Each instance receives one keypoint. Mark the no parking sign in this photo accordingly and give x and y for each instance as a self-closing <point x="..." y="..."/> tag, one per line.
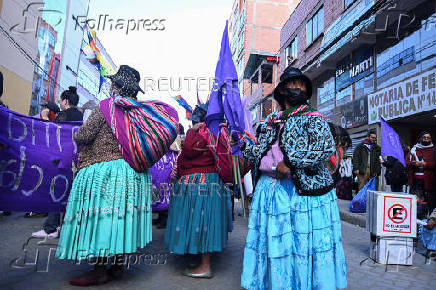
<point x="397" y="217"/>
<point x="391" y="214"/>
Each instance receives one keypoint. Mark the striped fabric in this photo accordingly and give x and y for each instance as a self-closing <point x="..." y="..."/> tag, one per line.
<point x="144" y="129"/>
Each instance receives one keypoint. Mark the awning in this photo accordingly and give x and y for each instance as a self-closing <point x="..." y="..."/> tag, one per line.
<point x="254" y="61"/>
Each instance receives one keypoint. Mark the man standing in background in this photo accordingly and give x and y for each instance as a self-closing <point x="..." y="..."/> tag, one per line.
<point x="366" y="159"/>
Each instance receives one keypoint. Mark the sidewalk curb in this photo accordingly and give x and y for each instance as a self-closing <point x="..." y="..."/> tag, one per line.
<point x="358" y="219"/>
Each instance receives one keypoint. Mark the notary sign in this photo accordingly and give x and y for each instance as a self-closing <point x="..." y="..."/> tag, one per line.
<point x="411" y="96"/>
<point x="37" y="159"/>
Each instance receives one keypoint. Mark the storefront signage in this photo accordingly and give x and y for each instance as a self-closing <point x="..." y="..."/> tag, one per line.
<point x="411" y="96"/>
<point x="354" y="68"/>
<point x="353" y="114"/>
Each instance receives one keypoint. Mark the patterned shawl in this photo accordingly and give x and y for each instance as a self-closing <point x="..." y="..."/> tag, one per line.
<point x="145" y="130"/>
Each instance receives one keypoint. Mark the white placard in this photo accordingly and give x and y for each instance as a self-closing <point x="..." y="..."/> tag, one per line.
<point x="397" y="216"/>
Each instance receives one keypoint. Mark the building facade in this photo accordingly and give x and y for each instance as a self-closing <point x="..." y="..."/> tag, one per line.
<point x="42" y="56"/>
<point x="254" y="29"/>
<point x="18" y="50"/>
<point x="367" y="58"/>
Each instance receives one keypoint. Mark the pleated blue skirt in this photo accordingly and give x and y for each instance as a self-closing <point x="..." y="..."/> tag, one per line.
<point x="293" y="242"/>
<point x="108" y="212"/>
<point x="199" y="216"/>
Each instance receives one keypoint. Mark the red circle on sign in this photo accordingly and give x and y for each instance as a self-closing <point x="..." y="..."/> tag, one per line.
<point x="396" y="214"/>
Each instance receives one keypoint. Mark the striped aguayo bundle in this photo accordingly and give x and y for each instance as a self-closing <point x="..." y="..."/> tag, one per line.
<point x="144" y="129"/>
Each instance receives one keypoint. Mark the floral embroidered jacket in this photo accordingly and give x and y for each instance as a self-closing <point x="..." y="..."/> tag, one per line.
<point x="306" y="143"/>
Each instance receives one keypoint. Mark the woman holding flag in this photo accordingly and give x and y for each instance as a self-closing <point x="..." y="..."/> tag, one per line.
<point x="294" y="232"/>
<point x="198" y="219"/>
<point x="109" y="207"/>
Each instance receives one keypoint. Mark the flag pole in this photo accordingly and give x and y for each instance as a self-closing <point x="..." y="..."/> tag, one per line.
<point x="238" y="181"/>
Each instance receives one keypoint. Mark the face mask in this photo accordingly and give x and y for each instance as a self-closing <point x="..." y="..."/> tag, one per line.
<point x="426" y="143"/>
<point x="294" y="96"/>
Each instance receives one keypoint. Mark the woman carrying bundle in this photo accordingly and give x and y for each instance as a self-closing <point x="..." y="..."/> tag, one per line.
<point x="109" y="208"/>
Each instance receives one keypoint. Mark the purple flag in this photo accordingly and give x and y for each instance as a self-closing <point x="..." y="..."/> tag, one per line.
<point x="390" y="142"/>
<point x="36" y="162"/>
<point x="224" y="98"/>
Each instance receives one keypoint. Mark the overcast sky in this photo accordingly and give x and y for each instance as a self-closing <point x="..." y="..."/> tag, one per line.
<point x="187" y="47"/>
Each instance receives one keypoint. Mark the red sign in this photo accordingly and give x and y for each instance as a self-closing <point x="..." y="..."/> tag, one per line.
<point x="273" y="58"/>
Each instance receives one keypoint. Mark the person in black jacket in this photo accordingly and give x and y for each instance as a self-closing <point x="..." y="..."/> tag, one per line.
<point x="395" y="173"/>
<point x="366" y="159"/>
<point x="69" y="101"/>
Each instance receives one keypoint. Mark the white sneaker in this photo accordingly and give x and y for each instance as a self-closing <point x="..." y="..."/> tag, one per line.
<point x="43" y="234"/>
<point x="40" y="234"/>
<point x="54" y="235"/>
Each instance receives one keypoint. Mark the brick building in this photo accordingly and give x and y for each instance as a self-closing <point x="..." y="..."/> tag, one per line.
<point x="365" y="57"/>
<point x="254" y="29"/>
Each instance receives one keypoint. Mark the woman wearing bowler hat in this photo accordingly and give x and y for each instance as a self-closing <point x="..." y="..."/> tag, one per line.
<point x="294" y="232"/>
<point x="109" y="208"/>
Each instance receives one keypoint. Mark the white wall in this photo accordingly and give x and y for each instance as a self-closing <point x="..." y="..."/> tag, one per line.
<point x="12" y="58"/>
<point x="72" y="44"/>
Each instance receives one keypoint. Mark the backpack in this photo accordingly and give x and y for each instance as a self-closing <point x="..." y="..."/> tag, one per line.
<point x="396" y="174"/>
<point x="222" y="152"/>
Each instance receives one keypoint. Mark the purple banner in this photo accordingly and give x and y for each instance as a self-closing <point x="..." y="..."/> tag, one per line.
<point x="37" y="159"/>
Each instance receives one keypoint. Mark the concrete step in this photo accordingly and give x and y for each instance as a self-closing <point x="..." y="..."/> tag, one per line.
<point x="349" y="217"/>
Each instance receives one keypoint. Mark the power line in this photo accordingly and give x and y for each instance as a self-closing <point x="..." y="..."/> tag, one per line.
<point x="27" y="55"/>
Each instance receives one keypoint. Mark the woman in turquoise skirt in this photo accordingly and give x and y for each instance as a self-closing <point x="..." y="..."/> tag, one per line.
<point x="294" y="232"/>
<point x="109" y="208"/>
<point x="198" y="218"/>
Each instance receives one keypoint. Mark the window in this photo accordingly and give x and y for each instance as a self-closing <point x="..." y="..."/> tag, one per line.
<point x="326" y="95"/>
<point x="291" y="51"/>
<point x="404" y="57"/>
<point x="344" y="96"/>
<point x="364" y="86"/>
<point x="315" y="26"/>
<point x="241" y="43"/>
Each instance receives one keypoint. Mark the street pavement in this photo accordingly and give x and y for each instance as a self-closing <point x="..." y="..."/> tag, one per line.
<point x="158" y="269"/>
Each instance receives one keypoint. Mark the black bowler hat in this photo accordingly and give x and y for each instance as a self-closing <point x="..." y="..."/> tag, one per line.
<point x="292" y="73"/>
<point x="127" y="79"/>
